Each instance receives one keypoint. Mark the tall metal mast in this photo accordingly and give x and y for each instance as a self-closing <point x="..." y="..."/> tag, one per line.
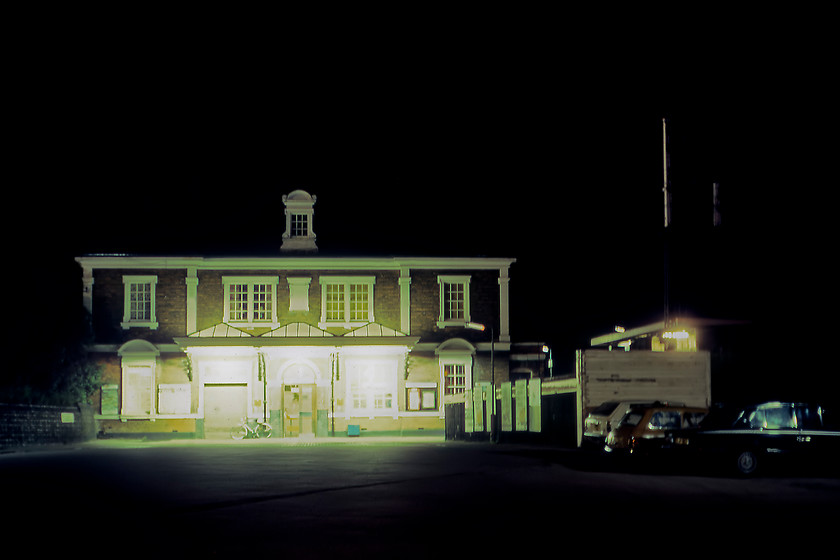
<point x="666" y="162"/>
<point x="666" y="235"/>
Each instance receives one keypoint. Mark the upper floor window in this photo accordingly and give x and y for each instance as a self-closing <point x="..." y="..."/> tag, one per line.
<point x="454" y="300"/>
<point x="346" y="301"/>
<point x="250" y="300"/>
<point x="139" y="302"/>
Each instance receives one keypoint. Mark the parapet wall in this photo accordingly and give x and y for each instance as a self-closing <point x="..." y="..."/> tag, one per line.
<point x="26" y="424"/>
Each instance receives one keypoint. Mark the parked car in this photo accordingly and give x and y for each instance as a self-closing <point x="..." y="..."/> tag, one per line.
<point x="602" y="419"/>
<point x="643" y="428"/>
<point x="748" y="438"/>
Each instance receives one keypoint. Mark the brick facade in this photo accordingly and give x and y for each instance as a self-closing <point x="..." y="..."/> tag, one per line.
<point x="196" y="362"/>
<point x="23" y="425"/>
<point x="171" y="301"/>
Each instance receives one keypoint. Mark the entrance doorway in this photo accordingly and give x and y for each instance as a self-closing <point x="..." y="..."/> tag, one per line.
<point x="225" y="405"/>
<point x="298" y="410"/>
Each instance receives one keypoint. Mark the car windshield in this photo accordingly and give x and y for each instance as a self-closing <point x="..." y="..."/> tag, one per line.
<point x="632" y="418"/>
<point x="664" y="420"/>
<point x="770" y="416"/>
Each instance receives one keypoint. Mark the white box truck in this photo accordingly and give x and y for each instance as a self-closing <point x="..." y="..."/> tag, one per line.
<point x="641" y="376"/>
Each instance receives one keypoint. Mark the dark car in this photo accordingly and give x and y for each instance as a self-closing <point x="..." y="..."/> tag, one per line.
<point x="604" y="418"/>
<point x="643" y="429"/>
<point x="747" y="439"/>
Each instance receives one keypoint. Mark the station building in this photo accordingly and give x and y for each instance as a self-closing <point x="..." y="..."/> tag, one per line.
<point x="315" y="345"/>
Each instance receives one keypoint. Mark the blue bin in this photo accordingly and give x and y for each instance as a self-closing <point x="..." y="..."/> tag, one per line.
<point x="353" y="430"/>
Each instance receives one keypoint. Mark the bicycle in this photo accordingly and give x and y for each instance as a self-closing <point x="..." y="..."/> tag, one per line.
<point x="246" y="430"/>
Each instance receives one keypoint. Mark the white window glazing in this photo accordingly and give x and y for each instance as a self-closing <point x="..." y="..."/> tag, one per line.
<point x="454" y="300"/>
<point x="359" y="302"/>
<point x="346" y="301"/>
<point x="372" y="386"/>
<point x="334" y="302"/>
<point x="139" y="302"/>
<point x="454" y="378"/>
<point x="454" y="303"/>
<point x="250" y="300"/>
<point x="299" y="225"/>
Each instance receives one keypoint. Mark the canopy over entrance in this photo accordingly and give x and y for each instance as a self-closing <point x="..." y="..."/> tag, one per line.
<point x="297" y="334"/>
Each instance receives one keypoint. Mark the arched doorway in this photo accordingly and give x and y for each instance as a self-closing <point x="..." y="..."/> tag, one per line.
<point x="298" y="384"/>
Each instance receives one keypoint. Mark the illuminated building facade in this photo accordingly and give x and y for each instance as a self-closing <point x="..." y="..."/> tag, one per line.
<point x="312" y="343"/>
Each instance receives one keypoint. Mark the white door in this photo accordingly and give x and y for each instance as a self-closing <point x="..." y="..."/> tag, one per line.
<point x="224" y="407"/>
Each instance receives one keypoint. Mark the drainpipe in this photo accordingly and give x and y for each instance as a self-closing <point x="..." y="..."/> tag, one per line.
<point x="262" y="373"/>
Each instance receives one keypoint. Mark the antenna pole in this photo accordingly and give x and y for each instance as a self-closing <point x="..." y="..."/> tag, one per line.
<point x="666" y="234"/>
<point x="666" y="162"/>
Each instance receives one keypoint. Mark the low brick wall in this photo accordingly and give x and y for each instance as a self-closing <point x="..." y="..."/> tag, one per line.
<point x="25" y="424"/>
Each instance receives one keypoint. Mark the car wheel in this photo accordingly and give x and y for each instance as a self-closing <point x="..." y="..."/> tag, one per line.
<point x="746" y="462"/>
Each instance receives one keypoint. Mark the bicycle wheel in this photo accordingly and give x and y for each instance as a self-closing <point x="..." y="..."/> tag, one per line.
<point x="238" y="432"/>
<point x="263" y="430"/>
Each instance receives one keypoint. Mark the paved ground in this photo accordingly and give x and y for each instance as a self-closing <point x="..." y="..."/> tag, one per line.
<point x="397" y="498"/>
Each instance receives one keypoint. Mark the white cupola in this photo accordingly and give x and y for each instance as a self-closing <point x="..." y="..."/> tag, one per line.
<point x="299" y="236"/>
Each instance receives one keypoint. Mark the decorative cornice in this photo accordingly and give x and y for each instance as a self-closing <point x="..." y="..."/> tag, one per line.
<point x="293" y="263"/>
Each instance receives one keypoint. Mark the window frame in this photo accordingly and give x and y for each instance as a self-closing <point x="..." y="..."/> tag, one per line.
<point x="444" y="303"/>
<point x="141" y="364"/>
<point x="459" y="371"/>
<point x="773" y="413"/>
<point x="347" y="303"/>
<point x="250" y="282"/>
<point x="456" y="361"/>
<point x="129" y="281"/>
<point x="298" y="225"/>
<point x="387" y="392"/>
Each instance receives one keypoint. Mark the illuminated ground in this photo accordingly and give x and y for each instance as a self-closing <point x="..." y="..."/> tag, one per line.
<point x="415" y="499"/>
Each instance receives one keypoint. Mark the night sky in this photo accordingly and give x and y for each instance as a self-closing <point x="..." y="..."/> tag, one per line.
<point x="553" y="159"/>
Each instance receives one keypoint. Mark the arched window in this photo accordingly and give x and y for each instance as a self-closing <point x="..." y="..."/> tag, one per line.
<point x="300" y="372"/>
<point x="455" y="357"/>
<point x="299" y="235"/>
<point x="139" y="362"/>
